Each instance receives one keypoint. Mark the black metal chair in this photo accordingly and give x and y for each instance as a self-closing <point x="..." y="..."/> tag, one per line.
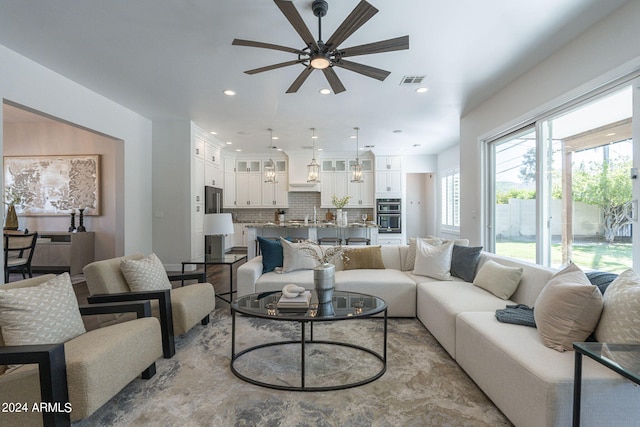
<point x="18" y="252"/>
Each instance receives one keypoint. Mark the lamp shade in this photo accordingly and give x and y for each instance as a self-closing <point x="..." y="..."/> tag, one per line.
<point x="218" y="224"/>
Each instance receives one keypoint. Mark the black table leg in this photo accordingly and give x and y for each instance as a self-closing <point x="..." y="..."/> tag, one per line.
<point x="577" y="388"/>
<point x="302" y="354"/>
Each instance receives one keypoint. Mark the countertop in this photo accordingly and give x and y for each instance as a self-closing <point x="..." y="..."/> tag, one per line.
<point x="301" y="224"/>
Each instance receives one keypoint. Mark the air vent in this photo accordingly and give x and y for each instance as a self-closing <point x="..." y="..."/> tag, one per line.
<point x="412" y="80"/>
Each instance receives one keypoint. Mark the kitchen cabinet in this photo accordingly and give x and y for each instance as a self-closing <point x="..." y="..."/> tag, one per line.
<point x="362" y="193"/>
<point x="276" y="194"/>
<point x="239" y="235"/>
<point x="213" y="174"/>
<point x="334" y="180"/>
<point x="248" y="189"/>
<point x="388" y="177"/>
<point x="229" y="186"/>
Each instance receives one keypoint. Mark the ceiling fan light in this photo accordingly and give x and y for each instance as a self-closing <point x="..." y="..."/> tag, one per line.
<point x="320" y="62"/>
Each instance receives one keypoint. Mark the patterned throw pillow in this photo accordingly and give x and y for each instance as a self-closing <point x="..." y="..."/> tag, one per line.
<point x="619" y="320"/>
<point x="43" y="314"/>
<point x="146" y="274"/>
<point x="410" y="261"/>
<point x="294" y="258"/>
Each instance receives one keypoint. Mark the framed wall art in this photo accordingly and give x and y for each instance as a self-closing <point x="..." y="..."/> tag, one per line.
<point x="53" y="185"/>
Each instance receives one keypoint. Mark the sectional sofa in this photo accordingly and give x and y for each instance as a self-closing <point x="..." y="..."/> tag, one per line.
<point x="529" y="382"/>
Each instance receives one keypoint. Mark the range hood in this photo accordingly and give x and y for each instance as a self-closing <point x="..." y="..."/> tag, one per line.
<point x="298" y="173"/>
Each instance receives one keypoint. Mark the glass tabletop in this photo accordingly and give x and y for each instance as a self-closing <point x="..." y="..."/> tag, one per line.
<point x="344" y="305"/>
<point x="209" y="259"/>
<point x="622" y="358"/>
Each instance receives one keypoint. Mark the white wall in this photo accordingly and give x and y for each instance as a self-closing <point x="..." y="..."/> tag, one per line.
<point x="36" y="138"/>
<point x="32" y="85"/>
<point x="172" y="191"/>
<point x="606" y="51"/>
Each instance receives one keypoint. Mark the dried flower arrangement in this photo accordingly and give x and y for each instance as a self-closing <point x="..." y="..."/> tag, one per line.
<point x="320" y="254"/>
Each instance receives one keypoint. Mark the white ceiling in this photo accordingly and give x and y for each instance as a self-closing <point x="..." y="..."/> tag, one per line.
<point x="173" y="59"/>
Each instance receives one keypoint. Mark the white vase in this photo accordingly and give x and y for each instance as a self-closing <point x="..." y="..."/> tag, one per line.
<point x="339" y="217"/>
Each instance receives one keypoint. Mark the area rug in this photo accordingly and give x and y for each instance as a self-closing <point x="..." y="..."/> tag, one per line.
<point x="422" y="385"/>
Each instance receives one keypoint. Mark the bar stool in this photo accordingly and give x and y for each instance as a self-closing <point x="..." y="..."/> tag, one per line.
<point x="358" y="241"/>
<point x="330" y="241"/>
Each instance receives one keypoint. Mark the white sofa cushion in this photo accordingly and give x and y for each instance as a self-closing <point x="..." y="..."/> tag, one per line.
<point x="438" y="304"/>
<point x="533" y="384"/>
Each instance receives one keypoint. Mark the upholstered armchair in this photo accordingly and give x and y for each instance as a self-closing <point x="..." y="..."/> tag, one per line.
<point x="177" y="309"/>
<point x="74" y="378"/>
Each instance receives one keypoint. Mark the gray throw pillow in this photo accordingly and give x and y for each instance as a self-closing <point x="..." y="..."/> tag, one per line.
<point x="464" y="262"/>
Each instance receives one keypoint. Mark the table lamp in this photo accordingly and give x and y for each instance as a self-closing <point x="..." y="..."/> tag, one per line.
<point x="216" y="227"/>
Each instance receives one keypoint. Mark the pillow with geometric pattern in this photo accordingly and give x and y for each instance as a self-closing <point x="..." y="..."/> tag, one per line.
<point x="44" y="314"/>
<point x="619" y="321"/>
<point x="145" y="274"/>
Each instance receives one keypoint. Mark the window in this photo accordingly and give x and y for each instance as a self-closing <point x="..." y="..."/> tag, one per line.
<point x="560" y="189"/>
<point x="450" y="193"/>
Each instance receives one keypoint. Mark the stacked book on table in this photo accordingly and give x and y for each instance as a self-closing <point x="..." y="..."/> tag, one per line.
<point x="299" y="303"/>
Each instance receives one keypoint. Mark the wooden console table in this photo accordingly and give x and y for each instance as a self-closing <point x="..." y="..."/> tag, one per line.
<point x="63" y="251"/>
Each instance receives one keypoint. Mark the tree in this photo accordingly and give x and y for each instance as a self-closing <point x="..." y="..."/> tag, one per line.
<point x="528" y="169"/>
<point x="607" y="185"/>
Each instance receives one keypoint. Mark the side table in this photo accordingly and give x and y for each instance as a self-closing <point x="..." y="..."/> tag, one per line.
<point x="621" y="358"/>
<point x="230" y="260"/>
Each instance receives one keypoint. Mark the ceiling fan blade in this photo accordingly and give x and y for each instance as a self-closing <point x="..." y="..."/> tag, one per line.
<point x="365" y="70"/>
<point x="356" y="19"/>
<point x="301" y="78"/>
<point x="293" y="16"/>
<point x="249" y="43"/>
<point x="334" y="81"/>
<point x="274" y="66"/>
<point x="399" y="43"/>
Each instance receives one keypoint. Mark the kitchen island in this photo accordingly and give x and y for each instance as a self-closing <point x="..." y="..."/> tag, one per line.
<point x="310" y="231"/>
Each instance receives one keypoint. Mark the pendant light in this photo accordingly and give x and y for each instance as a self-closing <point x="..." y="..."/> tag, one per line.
<point x="313" y="168"/>
<point x="270" y="166"/>
<point x="356" y="168"/>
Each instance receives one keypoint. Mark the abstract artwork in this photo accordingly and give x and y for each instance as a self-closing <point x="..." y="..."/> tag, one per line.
<point x="53" y="185"/>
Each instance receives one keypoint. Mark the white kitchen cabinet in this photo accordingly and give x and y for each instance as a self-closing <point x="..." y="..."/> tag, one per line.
<point x="388" y="177"/>
<point x="362" y="193"/>
<point x="388" y="163"/>
<point x="276" y="194"/>
<point x="248" y="189"/>
<point x="239" y="235"/>
<point x="383" y="239"/>
<point x="229" y="185"/>
<point x="333" y="176"/>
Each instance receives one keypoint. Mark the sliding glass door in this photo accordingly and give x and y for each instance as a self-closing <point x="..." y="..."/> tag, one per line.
<point x="561" y="189"/>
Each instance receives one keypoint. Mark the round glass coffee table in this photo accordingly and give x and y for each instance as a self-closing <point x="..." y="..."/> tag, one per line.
<point x="316" y="357"/>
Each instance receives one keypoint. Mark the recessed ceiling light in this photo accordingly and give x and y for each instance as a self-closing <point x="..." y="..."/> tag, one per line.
<point x="610" y="134"/>
<point x="229" y="92"/>
<point x="213" y="132"/>
<point x="422" y="89"/>
<point x="320" y="149"/>
<point x="229" y="143"/>
<point x="275" y="137"/>
<point x="238" y="149"/>
<point x="278" y="149"/>
<point x="324" y="91"/>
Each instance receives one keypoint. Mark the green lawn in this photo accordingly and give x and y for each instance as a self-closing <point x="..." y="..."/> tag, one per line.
<point x="615" y="257"/>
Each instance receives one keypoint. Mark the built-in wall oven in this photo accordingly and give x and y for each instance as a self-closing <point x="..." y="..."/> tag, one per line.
<point x="389" y="213"/>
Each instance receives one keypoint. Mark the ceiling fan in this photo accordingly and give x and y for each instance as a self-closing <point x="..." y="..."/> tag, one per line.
<point x="319" y="55"/>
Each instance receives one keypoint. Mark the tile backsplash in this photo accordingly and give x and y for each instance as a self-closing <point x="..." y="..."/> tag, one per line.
<point x="300" y="205"/>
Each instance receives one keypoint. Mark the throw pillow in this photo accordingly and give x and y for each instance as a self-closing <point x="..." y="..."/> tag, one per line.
<point x="619" y="321"/>
<point x="500" y="280"/>
<point x="297" y="258"/>
<point x="272" y="255"/>
<point x="43" y="314"/>
<point x="410" y="262"/>
<point x="567" y="309"/>
<point x="145" y="274"/>
<point x="433" y="261"/>
<point x="368" y="257"/>
<point x="601" y="279"/>
<point x="464" y="262"/>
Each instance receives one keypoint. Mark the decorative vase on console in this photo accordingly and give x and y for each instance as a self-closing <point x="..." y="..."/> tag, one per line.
<point x="340" y="203"/>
